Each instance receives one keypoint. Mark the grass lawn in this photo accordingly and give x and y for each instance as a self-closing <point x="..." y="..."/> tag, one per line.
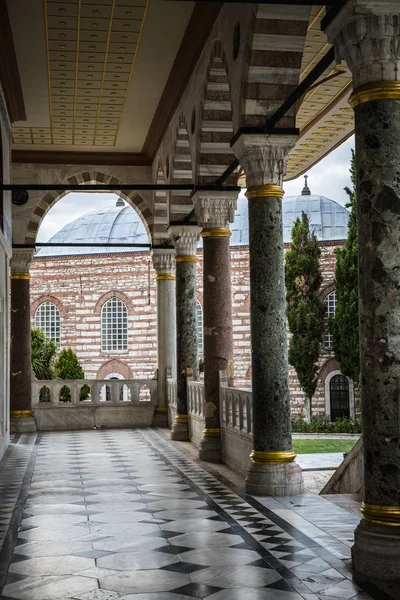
<point x="318" y="446"/>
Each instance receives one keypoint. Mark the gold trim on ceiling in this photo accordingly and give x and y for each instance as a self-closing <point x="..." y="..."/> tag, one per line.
<point x="324" y="119"/>
<point x="91" y="52"/>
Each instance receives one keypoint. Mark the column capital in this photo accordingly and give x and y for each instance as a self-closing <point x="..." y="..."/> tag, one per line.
<point x="20" y="262"/>
<point x="185" y="239"/>
<point x="366" y="34"/>
<point x="215" y="210"/>
<point x="264" y="158"/>
<point x="164" y="263"/>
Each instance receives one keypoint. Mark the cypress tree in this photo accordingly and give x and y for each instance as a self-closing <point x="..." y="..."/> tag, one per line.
<point x="305" y="309"/>
<point x="344" y="327"/>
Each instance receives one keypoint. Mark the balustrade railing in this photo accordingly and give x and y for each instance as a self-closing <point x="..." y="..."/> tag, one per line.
<point x="172" y="393"/>
<point x="196" y="398"/>
<point x="94" y="392"/>
<point x="236" y="407"/>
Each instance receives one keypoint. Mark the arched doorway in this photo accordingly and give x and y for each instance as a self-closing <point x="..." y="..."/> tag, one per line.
<point x="339" y="394"/>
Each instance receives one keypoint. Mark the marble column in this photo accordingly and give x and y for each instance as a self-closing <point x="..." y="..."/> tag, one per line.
<point x="185" y="239"/>
<point x="164" y="265"/>
<point x="21" y="417"/>
<point x="273" y="470"/>
<point x="214" y="212"/>
<point x="367" y="36"/>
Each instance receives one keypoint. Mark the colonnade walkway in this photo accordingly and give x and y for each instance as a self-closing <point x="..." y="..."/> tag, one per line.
<point x="129" y="515"/>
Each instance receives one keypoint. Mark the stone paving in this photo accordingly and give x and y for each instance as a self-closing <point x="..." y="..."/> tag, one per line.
<point x="126" y="515"/>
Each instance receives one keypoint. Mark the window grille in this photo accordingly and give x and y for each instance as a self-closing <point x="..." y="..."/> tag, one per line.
<point x="47" y="318"/>
<point x="199" y="319"/>
<point x="114" y="326"/>
<point x="330" y="302"/>
<point x="339" y="393"/>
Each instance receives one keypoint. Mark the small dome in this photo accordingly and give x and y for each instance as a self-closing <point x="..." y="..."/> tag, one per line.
<point x="119" y="224"/>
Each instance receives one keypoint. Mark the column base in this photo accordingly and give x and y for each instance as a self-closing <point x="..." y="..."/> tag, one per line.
<point x="274" y="480"/>
<point x="23" y="425"/>
<point x="160" y="418"/>
<point x="376" y="551"/>
<point x="211" y="449"/>
<point x="180" y="432"/>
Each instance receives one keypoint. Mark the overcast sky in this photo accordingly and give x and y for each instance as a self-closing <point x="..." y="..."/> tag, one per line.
<point x="327" y="178"/>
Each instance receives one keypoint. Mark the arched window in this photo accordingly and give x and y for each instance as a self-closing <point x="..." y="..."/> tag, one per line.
<point x="47" y="318"/>
<point x="330" y="302"/>
<point x="339" y="394"/>
<point x="199" y="319"/>
<point x="114" y="326"/>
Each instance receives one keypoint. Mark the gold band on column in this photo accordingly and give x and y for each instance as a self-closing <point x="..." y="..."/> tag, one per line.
<point x="272" y="458"/>
<point x="181" y="418"/>
<point x="165" y="277"/>
<point x="265" y="191"/>
<point x="211" y="432"/>
<point x="161" y="409"/>
<point x="186" y="258"/>
<point x="216" y="232"/>
<point x="382" y="515"/>
<point x="20" y="276"/>
<point x="19" y="414"/>
<point x="383" y="90"/>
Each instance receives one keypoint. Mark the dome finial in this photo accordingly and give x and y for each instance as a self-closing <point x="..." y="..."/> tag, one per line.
<point x="306" y="190"/>
<point x="120" y="202"/>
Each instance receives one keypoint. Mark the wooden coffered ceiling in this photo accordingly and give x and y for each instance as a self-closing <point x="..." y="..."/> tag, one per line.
<point x="324" y="116"/>
<point x="97" y="87"/>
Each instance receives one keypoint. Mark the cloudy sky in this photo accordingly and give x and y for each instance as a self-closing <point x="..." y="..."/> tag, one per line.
<point x="327" y="178"/>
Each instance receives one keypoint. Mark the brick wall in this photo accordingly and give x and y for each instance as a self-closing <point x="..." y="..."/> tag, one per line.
<point x="80" y="285"/>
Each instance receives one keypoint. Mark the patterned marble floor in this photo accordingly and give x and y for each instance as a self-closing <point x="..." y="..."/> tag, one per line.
<point x="126" y="515"/>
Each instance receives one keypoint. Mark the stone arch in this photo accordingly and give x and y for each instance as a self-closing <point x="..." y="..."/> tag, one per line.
<point x="214" y="153"/>
<point x="327" y="382"/>
<point x="47" y="298"/>
<point x="181" y="172"/>
<point x="200" y="298"/>
<point x="273" y="59"/>
<point x="328" y="289"/>
<point x="86" y="177"/>
<point x="249" y="372"/>
<point x="113" y="294"/>
<point x="114" y="366"/>
<point x="161" y="209"/>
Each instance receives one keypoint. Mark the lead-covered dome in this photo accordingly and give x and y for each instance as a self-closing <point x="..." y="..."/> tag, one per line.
<point x="328" y="219"/>
<point x="119" y="224"/>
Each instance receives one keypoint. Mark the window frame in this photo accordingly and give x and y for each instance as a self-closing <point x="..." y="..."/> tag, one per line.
<point x="327" y="338"/>
<point x="40" y="320"/>
<point x="114" y="317"/>
<point x="200" y="326"/>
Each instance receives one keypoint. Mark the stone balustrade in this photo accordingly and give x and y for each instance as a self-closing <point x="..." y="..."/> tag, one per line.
<point x="172" y="394"/>
<point x="93" y="403"/>
<point x="195" y="410"/>
<point x="235" y="415"/>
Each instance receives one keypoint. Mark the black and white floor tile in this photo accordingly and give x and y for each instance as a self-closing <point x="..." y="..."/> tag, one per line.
<point x="125" y="515"/>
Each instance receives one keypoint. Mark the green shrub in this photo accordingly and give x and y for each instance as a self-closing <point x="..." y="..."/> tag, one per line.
<point x="324" y="425"/>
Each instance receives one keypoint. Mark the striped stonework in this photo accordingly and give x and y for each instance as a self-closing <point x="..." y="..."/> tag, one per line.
<point x="161" y="213"/>
<point x="182" y="173"/>
<point x="275" y="55"/>
<point x="216" y="123"/>
<point x="87" y="177"/>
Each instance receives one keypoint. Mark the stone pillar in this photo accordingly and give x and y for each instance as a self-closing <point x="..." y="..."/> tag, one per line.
<point x="164" y="264"/>
<point x="21" y="369"/>
<point x="185" y="239"/>
<point x="214" y="211"/>
<point x="273" y="471"/>
<point x="366" y="34"/>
